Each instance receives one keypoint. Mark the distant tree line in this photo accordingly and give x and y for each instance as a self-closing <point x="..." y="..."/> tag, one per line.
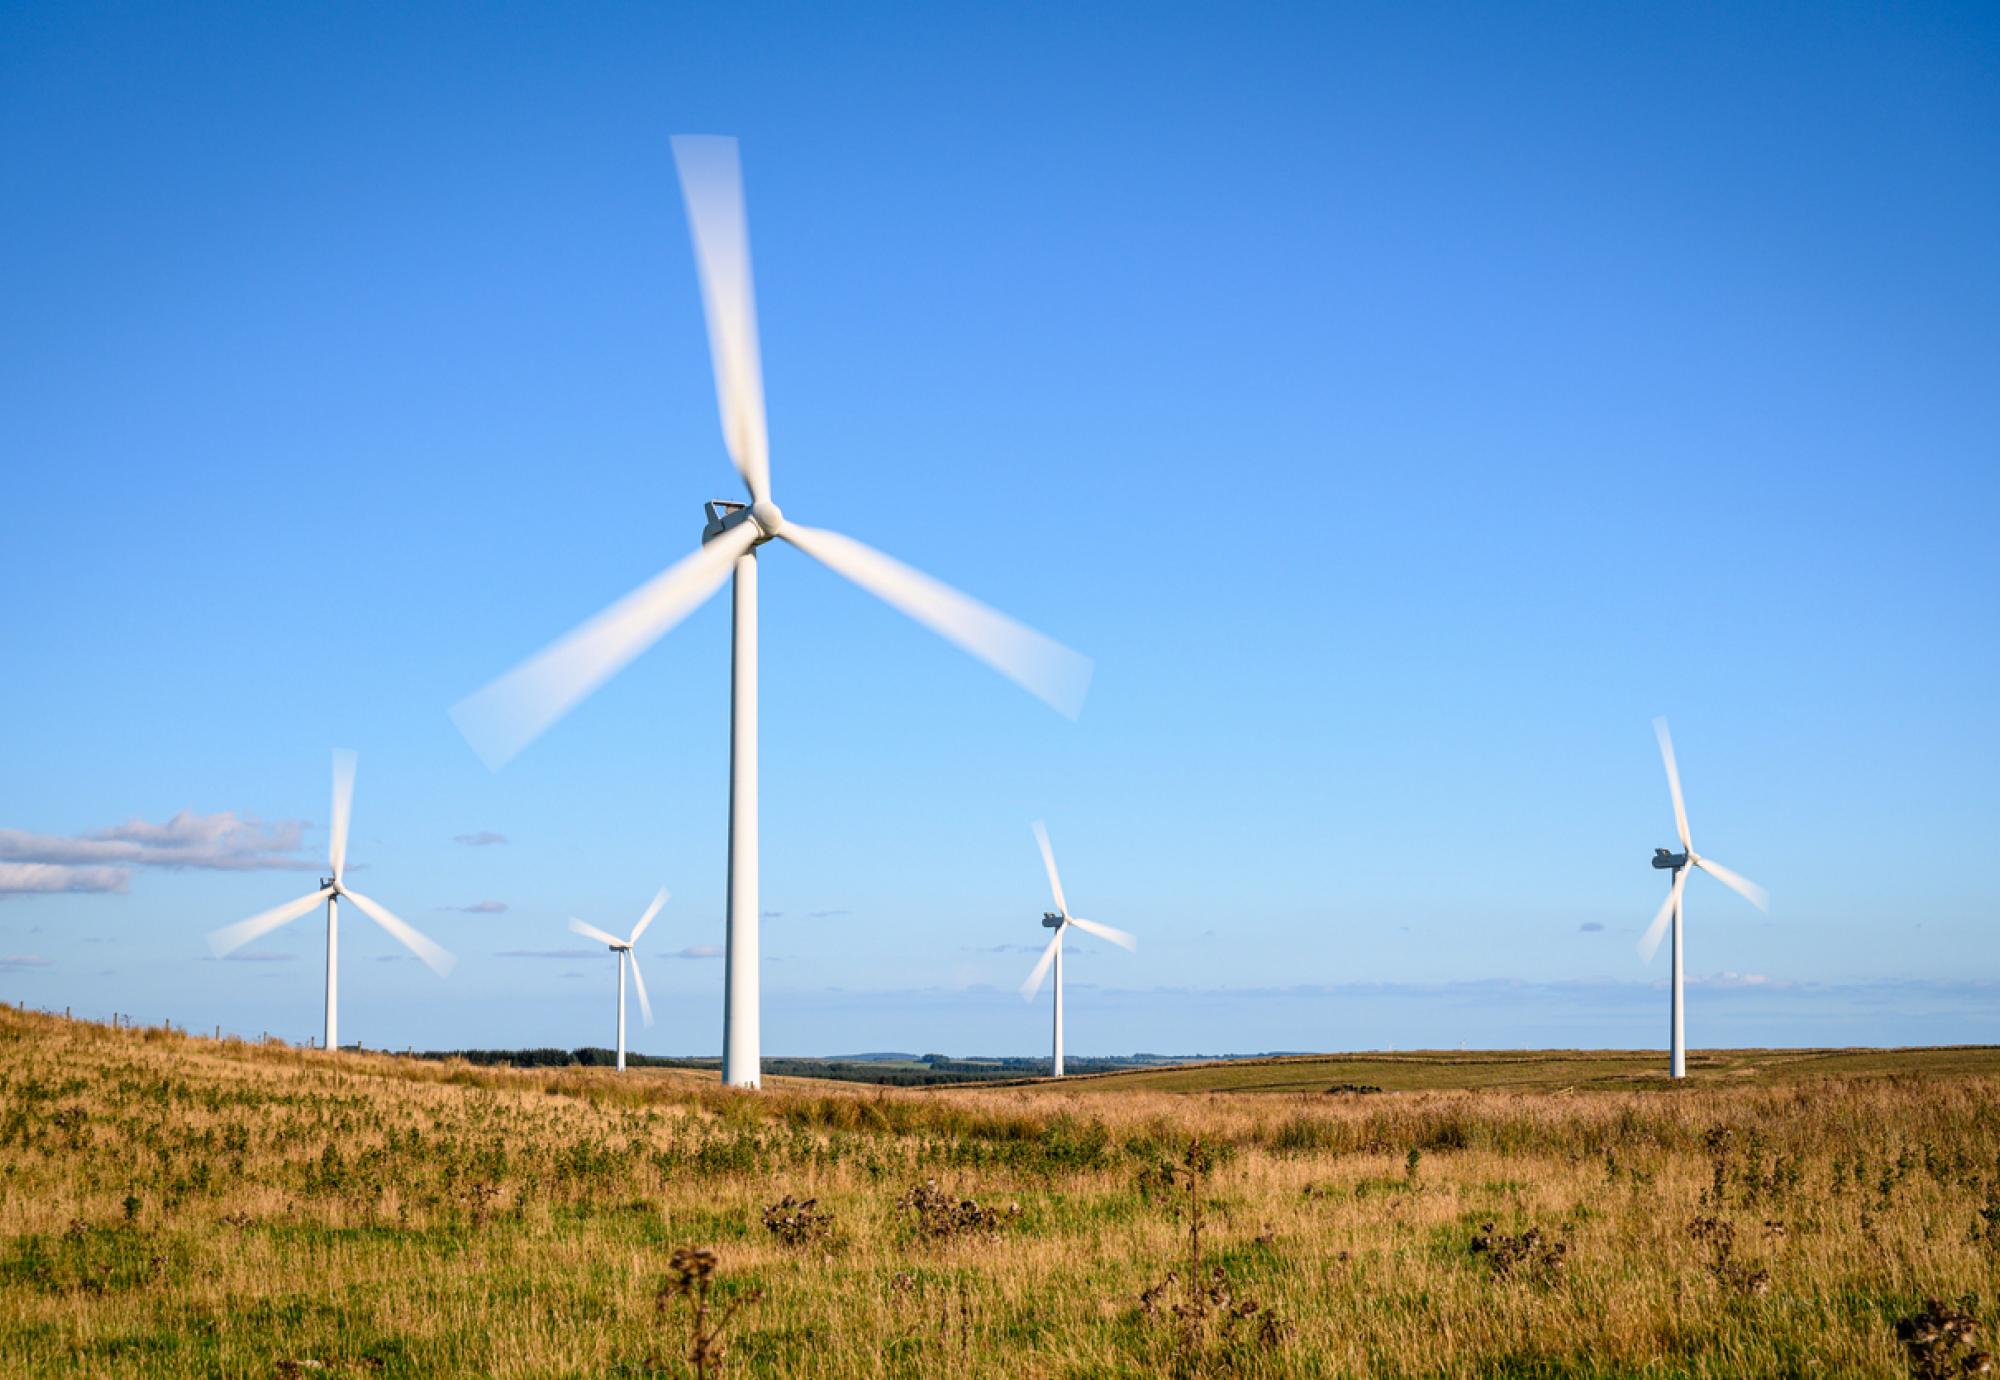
<point x="929" y="1071"/>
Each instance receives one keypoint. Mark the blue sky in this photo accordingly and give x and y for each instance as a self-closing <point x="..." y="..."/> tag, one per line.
<point x="1401" y="404"/>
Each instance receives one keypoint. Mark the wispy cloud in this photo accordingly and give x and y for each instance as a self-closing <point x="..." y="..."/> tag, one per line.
<point x="772" y="914"/>
<point x="480" y="908"/>
<point x="826" y="914"/>
<point x="224" y="842"/>
<point x="484" y="838"/>
<point x="548" y="953"/>
<point x="257" y="956"/>
<point x="23" y="961"/>
<point x="698" y="951"/>
<point x="1592" y="927"/>
<point x="24" y="879"/>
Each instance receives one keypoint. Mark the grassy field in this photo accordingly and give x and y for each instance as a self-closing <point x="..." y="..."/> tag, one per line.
<point x="1540" y="1070"/>
<point x="175" y="1206"/>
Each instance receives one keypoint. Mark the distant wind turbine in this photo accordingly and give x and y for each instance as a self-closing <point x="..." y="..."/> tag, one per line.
<point x="508" y="714"/>
<point x="1670" y="909"/>
<point x="233" y="937"/>
<point x="623" y="948"/>
<point x="1060" y="920"/>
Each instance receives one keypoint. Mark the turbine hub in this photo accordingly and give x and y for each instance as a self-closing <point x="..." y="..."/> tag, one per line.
<point x="767" y="517"/>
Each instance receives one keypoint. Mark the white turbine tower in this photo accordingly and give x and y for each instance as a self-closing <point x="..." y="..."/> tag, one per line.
<point x="233" y="937"/>
<point x="505" y="716"/>
<point x="1060" y="920"/>
<point x="623" y="948"/>
<point x="1670" y="909"/>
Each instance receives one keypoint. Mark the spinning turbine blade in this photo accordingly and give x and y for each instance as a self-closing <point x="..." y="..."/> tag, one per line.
<point x="230" y="938"/>
<point x="438" y="960"/>
<point x="514" y="710"/>
<point x="647" y="918"/>
<point x="592" y="932"/>
<point x="1040" y="665"/>
<point x="1673" y="780"/>
<point x="1649" y="943"/>
<point x="1034" y="982"/>
<point x="712" y="184"/>
<point x="1118" y="937"/>
<point x="1049" y="861"/>
<point x="639" y="981"/>
<point x="343" y="803"/>
<point x="1736" y="882"/>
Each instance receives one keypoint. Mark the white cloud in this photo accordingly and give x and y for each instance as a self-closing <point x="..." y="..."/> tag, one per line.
<point x="1731" y="979"/>
<point x="21" y="879"/>
<point x="223" y="841"/>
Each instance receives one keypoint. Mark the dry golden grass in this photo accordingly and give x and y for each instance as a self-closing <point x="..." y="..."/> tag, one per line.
<point x="173" y="1206"/>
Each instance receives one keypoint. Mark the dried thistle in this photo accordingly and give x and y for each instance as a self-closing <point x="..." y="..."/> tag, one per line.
<point x="690" y="1280"/>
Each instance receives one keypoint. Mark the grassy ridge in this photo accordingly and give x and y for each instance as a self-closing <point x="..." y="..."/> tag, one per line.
<point x="172" y="1206"/>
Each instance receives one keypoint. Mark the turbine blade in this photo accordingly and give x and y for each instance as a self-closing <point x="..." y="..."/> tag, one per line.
<point x="1049" y="861"/>
<point x="1673" y="780"/>
<point x="1040" y="665"/>
<point x="514" y="710"/>
<point x="1649" y="942"/>
<point x="438" y="960"/>
<point x="343" y="804"/>
<point x="712" y="185"/>
<point x="230" y="938"/>
<point x="647" y="918"/>
<point x="577" y="926"/>
<point x="1118" y="937"/>
<point x="639" y="981"/>
<point x="1034" y="982"/>
<point x="1736" y="882"/>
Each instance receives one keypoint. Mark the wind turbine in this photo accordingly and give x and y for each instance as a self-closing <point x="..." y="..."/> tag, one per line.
<point x="1670" y="909"/>
<point x="506" y="715"/>
<point x="233" y="937"/>
<point x="623" y="948"/>
<point x="1060" y="920"/>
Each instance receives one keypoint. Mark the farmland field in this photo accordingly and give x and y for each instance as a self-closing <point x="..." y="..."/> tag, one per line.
<point x="179" y="1206"/>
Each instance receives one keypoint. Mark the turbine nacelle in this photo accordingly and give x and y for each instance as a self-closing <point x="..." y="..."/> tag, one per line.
<point x="1668" y="861"/>
<point x="764" y="516"/>
<point x="1051" y="920"/>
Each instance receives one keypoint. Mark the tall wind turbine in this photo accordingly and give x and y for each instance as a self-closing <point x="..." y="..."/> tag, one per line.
<point x="1060" y="920"/>
<point x="623" y="948"/>
<point x="505" y="716"/>
<point x="1670" y="909"/>
<point x="233" y="937"/>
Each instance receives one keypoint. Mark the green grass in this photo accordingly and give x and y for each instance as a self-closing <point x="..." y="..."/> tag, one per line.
<point x="1538" y="1070"/>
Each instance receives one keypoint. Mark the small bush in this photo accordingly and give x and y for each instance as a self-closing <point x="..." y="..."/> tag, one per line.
<point x="798" y="1223"/>
<point x="1938" y="1341"/>
<point x="940" y="1216"/>
<point x="1528" y="1255"/>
